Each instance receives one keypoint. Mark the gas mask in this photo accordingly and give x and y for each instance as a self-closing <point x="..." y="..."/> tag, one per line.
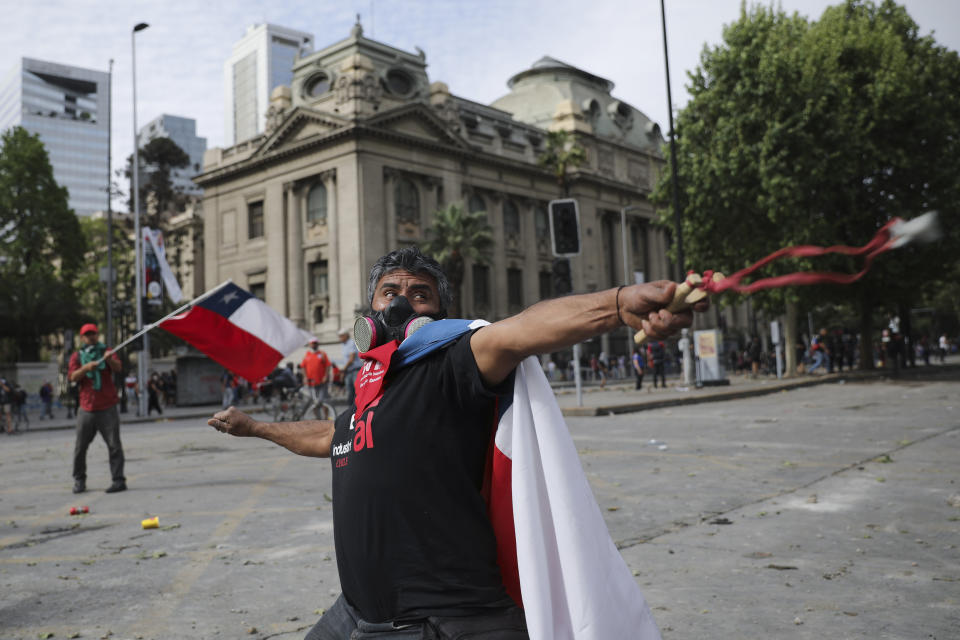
<point x="396" y="322"/>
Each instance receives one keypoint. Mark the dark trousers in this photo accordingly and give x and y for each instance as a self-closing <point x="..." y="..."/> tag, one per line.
<point x="658" y="372"/>
<point x="153" y="402"/>
<point x="350" y="380"/>
<point x="107" y="423"/>
<point x="639" y="381"/>
<point x="342" y="622"/>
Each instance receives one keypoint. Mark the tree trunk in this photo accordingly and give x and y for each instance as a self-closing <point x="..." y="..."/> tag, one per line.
<point x="790" y="339"/>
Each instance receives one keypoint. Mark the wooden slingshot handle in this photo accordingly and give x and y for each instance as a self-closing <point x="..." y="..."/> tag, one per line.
<point x="686" y="295"/>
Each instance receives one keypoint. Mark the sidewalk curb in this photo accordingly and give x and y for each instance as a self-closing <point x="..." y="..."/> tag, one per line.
<point x="758" y="390"/>
<point x="198" y="413"/>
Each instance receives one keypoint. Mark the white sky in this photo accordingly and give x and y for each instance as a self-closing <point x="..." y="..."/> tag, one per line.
<point x="472" y="45"/>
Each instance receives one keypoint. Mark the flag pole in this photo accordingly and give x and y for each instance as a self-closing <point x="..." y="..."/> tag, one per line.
<point x="147" y="328"/>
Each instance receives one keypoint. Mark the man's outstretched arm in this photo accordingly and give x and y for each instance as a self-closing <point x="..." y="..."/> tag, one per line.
<point x="556" y="324"/>
<point x="310" y="438"/>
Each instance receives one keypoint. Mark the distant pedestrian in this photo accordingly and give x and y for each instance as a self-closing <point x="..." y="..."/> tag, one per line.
<point x="73" y="398"/>
<point x="657" y="353"/>
<point x="944" y="346"/>
<point x="6" y="403"/>
<point x="819" y="351"/>
<point x="130" y="382"/>
<point x="638" y="366"/>
<point x="318" y="370"/>
<point x="46" y="398"/>
<point x="154" y="392"/>
<point x="20" y="407"/>
<point x="226" y="389"/>
<point x="90" y="369"/>
<point x="599" y="370"/>
<point x="755" y="355"/>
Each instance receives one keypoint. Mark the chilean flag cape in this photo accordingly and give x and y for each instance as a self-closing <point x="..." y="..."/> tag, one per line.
<point x="555" y="553"/>
<point x="237" y="330"/>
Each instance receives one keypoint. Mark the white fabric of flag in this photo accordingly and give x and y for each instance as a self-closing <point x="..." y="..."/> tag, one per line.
<point x="575" y="583"/>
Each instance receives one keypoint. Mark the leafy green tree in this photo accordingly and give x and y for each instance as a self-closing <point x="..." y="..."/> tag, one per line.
<point x="819" y="132"/>
<point x="562" y="154"/>
<point x="41" y="247"/>
<point x="454" y="237"/>
<point x="91" y="291"/>
<point x="158" y="158"/>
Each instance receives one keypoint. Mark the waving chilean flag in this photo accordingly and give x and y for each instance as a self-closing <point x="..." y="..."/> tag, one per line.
<point x="238" y="331"/>
<point x="555" y="553"/>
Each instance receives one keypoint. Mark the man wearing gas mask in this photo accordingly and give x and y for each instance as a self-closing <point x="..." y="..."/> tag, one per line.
<point x="415" y="547"/>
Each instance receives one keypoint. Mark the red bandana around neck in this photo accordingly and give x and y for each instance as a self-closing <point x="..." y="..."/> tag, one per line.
<point x="371" y="376"/>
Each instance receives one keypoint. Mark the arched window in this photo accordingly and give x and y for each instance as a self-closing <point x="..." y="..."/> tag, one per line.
<point x="476" y="203"/>
<point x="408" y="201"/>
<point x="317" y="204"/>
<point x="511" y="219"/>
<point x="541" y="225"/>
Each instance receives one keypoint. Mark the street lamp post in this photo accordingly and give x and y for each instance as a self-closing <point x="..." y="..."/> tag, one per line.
<point x="675" y="180"/>
<point x="135" y="169"/>
<point x="110" y="341"/>
<point x="626" y="271"/>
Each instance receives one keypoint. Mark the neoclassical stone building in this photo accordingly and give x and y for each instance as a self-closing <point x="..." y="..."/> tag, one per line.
<point x="362" y="149"/>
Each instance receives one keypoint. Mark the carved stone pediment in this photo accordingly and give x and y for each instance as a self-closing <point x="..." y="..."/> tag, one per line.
<point x="417" y="121"/>
<point x="300" y="125"/>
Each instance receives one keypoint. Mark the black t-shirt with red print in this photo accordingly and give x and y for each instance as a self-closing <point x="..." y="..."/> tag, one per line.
<point x="411" y="529"/>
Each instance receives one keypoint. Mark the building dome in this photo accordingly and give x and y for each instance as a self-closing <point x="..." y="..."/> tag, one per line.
<point x="551" y="89"/>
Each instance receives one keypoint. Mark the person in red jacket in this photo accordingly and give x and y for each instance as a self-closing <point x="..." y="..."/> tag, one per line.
<point x="93" y="373"/>
<point x="317" y="370"/>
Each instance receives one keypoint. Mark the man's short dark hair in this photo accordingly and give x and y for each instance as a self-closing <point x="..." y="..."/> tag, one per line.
<point x="412" y="260"/>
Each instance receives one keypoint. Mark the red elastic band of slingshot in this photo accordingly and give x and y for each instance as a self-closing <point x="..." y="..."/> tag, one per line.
<point x="881" y="242"/>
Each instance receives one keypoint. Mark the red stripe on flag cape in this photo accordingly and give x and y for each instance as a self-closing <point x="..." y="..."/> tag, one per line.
<point x="553" y="546"/>
<point x="238" y="331"/>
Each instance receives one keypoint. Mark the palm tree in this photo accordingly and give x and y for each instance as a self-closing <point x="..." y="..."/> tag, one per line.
<point x="562" y="154"/>
<point x="454" y="237"/>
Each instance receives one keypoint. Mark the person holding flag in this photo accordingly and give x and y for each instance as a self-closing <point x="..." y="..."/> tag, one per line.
<point x="92" y="368"/>
<point x="426" y="539"/>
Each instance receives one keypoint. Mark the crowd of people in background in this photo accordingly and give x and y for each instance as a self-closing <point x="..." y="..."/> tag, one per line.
<point x="16" y="403"/>
<point x="829" y="350"/>
<point x="284" y="380"/>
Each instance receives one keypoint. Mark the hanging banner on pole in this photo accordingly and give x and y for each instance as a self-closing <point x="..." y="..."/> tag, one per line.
<point x="157" y="272"/>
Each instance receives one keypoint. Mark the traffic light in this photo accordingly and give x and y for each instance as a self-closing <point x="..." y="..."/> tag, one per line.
<point x="562" y="281"/>
<point x="564" y="227"/>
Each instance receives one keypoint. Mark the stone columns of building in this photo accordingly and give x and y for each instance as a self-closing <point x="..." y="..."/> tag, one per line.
<point x="390" y="176"/>
<point x="294" y="215"/>
<point x="499" y="299"/>
<point x="528" y="235"/>
<point x="274" y="228"/>
<point x="329" y="179"/>
<point x="431" y="201"/>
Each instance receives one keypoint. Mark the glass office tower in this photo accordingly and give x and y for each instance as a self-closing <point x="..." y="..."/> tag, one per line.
<point x="69" y="107"/>
<point x="262" y="60"/>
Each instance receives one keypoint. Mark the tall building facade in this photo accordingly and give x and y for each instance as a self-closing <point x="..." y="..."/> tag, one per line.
<point x="361" y="150"/>
<point x="69" y="107"/>
<point x="182" y="131"/>
<point x="262" y="60"/>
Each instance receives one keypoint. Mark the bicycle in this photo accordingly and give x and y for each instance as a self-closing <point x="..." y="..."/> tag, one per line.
<point x="298" y="404"/>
